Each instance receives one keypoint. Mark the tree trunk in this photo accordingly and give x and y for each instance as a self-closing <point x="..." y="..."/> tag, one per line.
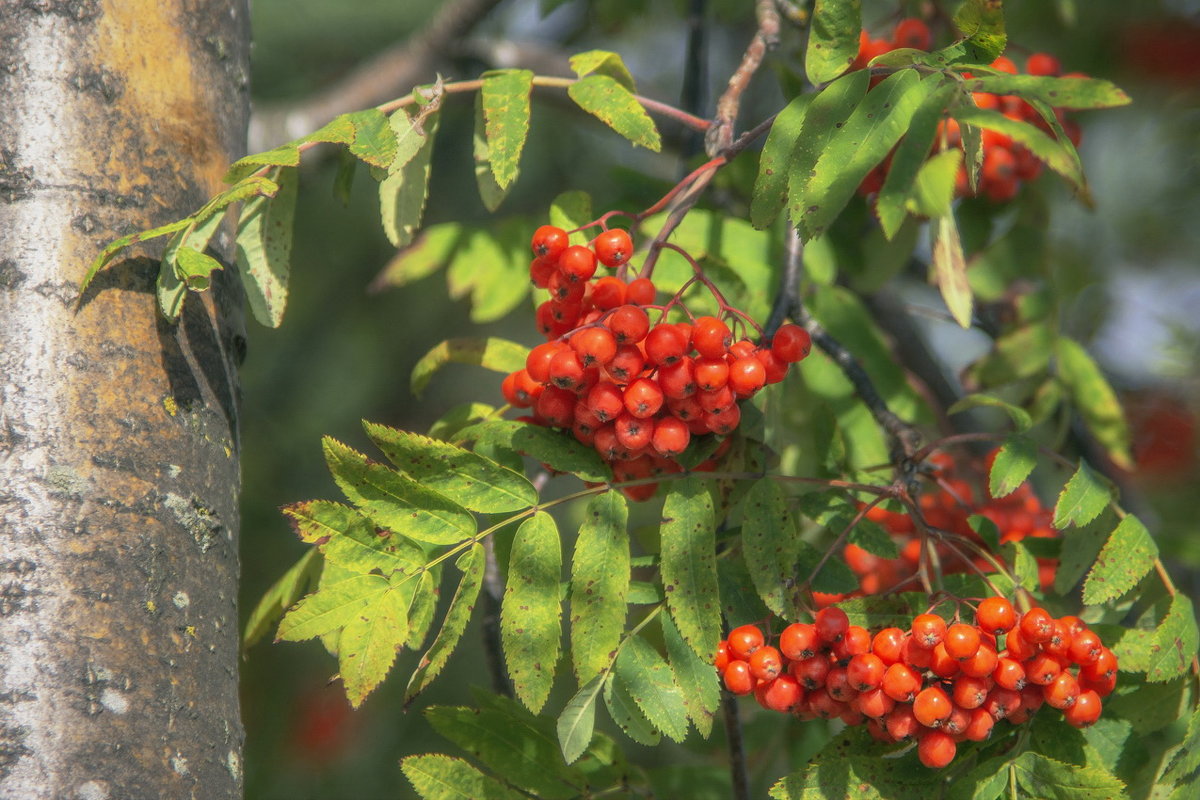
<point x="118" y="432"/>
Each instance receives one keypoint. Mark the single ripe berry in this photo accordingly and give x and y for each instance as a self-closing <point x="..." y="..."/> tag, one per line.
<point x="1009" y="673"/>
<point x="783" y="694"/>
<point x="1085" y="711"/>
<point x="738" y="678"/>
<point x="962" y="641"/>
<point x="865" y="672"/>
<point x="595" y="346"/>
<point x="912" y="33"/>
<point x="831" y="624"/>
<point x="982" y="663"/>
<point x="875" y="704"/>
<point x="979" y="729"/>
<point x="1037" y="625"/>
<point x="996" y="615"/>
<point x="640" y="291"/>
<point x="744" y="640"/>
<point x="566" y="369"/>
<point x="1043" y="64"/>
<point x="901" y="683"/>
<point x="711" y="373"/>
<point x="606" y="400"/>
<point x="837" y="684"/>
<point x="928" y="630"/>
<point x="1042" y="669"/>
<point x="608" y="293"/>
<point x="643" y="398"/>
<point x="556" y="407"/>
<point x="711" y="337"/>
<point x="577" y="263"/>
<point x="671" y="437"/>
<point x="901" y="724"/>
<point x="856" y="640"/>
<point x="627" y="364"/>
<point x="678" y="380"/>
<point x="746" y="376"/>
<point x="629" y="324"/>
<point x="665" y="344"/>
<point x="613" y="247"/>
<point x="970" y="692"/>
<point x="540" y="270"/>
<point x="799" y="641"/>
<point x="811" y="672"/>
<point x="931" y="706"/>
<point x="791" y="343"/>
<point x="549" y="242"/>
<point x="633" y="433"/>
<point x="888" y="644"/>
<point x="766" y="663"/>
<point x="1062" y="692"/>
<point x="936" y="749"/>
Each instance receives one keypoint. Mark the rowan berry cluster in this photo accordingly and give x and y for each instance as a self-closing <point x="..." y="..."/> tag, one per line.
<point x="1017" y="515"/>
<point x="1005" y="163"/>
<point x="636" y="391"/>
<point x="938" y="684"/>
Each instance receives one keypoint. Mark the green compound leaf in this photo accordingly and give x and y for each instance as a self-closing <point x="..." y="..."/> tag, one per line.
<point x="626" y="714"/>
<point x="395" y="501"/>
<point x="577" y="721"/>
<point x="471" y="563"/>
<point x="531" y="611"/>
<point x="195" y="268"/>
<point x="770" y="545"/>
<point x="522" y="748"/>
<point x="1047" y="778"/>
<point x="264" y="247"/>
<point x="689" y="565"/>
<point x="694" y="676"/>
<point x="169" y="290"/>
<point x="347" y="539"/>
<point x="1014" y="462"/>
<point x="908" y="160"/>
<point x="1065" y="93"/>
<point x="369" y="641"/>
<point x="285" y="155"/>
<point x="1175" y="642"/>
<point x="331" y="607"/>
<point x="475" y="482"/>
<point x="1126" y="558"/>
<point x="1057" y="156"/>
<point x="1092" y="394"/>
<point x="652" y="686"/>
<point x="403" y="192"/>
<point x="826" y="115"/>
<point x="424" y="605"/>
<point x="950" y="271"/>
<point x="986" y="781"/>
<point x="981" y="22"/>
<point x="771" y="185"/>
<point x="290" y="587"/>
<point x="561" y="453"/>
<point x="1082" y="499"/>
<point x="832" y="39"/>
<point x="599" y="584"/>
<point x="439" y="777"/>
<point x="603" y="62"/>
<point x="1020" y="417"/>
<point x="856" y="147"/>
<point x="614" y="105"/>
<point x="497" y="355"/>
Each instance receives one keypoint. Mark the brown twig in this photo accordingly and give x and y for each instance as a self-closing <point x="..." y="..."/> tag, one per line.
<point x="738" y="774"/>
<point x="765" y="38"/>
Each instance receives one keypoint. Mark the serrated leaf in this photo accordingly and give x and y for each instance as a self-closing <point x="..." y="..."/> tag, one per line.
<point x="530" y="613"/>
<point x="169" y="290"/>
<point x="374" y="137"/>
<point x="771" y="184"/>
<point x="981" y="22"/>
<point x="369" y="641"/>
<point x="1187" y="759"/>
<point x="694" y="676"/>
<point x="832" y="39"/>
<point x="1175" y="642"/>
<point x="652" y="686"/>
<point x="491" y="193"/>
<point x="497" y="355"/>
<point x="908" y="159"/>
<point x="264" y="248"/>
<point x="290" y="587"/>
<point x="1126" y="558"/>
<point x="874" y="539"/>
<point x="431" y="250"/>
<point x="473" y="481"/>
<point x="740" y="603"/>
<point x="1064" y="93"/>
<point x="402" y="193"/>
<point x="932" y="193"/>
<point x="689" y="565"/>
<point x="331" y="607"/>
<point x="1046" y="778"/>
<point x="599" y="584"/>
<point x="603" y="62"/>
<point x="1082" y="499"/>
<point x="578" y="720"/>
<point x="285" y="155"/>
<point x="1013" y="464"/>
<point x="571" y="210"/>
<point x="862" y="777"/>
<point x="424" y="605"/>
<point x="1056" y="154"/>
<point x="348" y="540"/>
<point x="395" y="501"/>
<point x="950" y="271"/>
<point x="439" y="777"/>
<point x="194" y="268"/>
<point x="1024" y="566"/>
<point x="1092" y="394"/>
<point x="987" y="780"/>
<point x="770" y="545"/>
<point x="462" y="605"/>
<point x="561" y="452"/>
<point x="856" y="147"/>
<point x="625" y="713"/>
<point x="615" y="106"/>
<point x="1020" y="417"/>
<point x="522" y="749"/>
<point x="1085" y="545"/>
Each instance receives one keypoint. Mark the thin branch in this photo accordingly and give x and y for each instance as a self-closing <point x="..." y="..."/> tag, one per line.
<point x="738" y="774"/>
<point x="493" y="591"/>
<point x="765" y="38"/>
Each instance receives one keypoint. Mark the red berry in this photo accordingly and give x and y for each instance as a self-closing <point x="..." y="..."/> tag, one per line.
<point x="577" y="263"/>
<point x="901" y="683"/>
<point x="971" y="692"/>
<point x="979" y="729"/>
<point x="912" y="33"/>
<point x="566" y="369"/>
<point x="1009" y="673"/>
<point x="791" y="343"/>
<point x="738" y="678"/>
<point x="608" y="293"/>
<point x="931" y="706"/>
<point x="799" y="641"/>
<point x="783" y="694"/>
<point x="936" y="749"/>
<point x="775" y="366"/>
<point x="746" y="376"/>
<point x="665" y="344"/>
<point x="629" y="324"/>
<point x="1062" y="691"/>
<point x="865" y="672"/>
<point x="643" y="398"/>
<point x="722" y="658"/>
<point x="1043" y="64"/>
<point x="613" y="247"/>
<point x="811" y="672"/>
<point x="901" y="724"/>
<point x="837" y="684"/>
<point x="548" y="242"/>
<point x="996" y="615"/>
<point x="640" y="291"/>
<point x="678" y="380"/>
<point x="744" y="640"/>
<point x="831" y="624"/>
<point x="723" y="422"/>
<point x="627" y="364"/>
<point x="633" y="433"/>
<point x="982" y="664"/>
<point x="1037" y="625"/>
<point x="595" y="346"/>
<point x="942" y="664"/>
<point x="711" y="373"/>
<point x="1002" y="703"/>
<point x="1085" y="711"/>
<point x="671" y="437"/>
<point x="962" y="641"/>
<point x="556" y="407"/>
<point x="766" y="663"/>
<point x="875" y="704"/>
<point x="928" y="630"/>
<point x="856" y="640"/>
<point x="711" y="337"/>
<point x="540" y="270"/>
<point x="888" y="645"/>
